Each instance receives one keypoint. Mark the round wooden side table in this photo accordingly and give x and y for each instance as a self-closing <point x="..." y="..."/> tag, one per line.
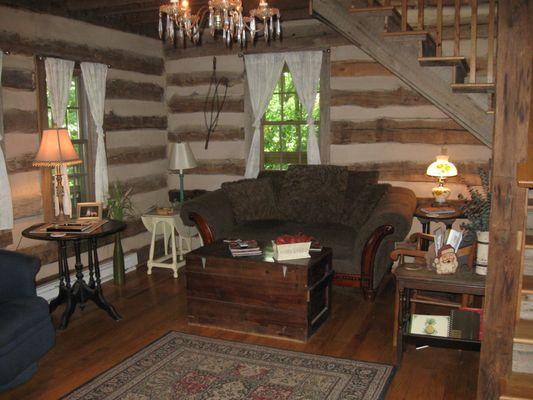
<point x="425" y="218"/>
<point x="80" y="291"/>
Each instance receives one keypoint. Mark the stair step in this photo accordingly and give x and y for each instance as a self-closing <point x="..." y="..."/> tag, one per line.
<point x="524" y="332"/>
<point x="473" y="87"/>
<point x="408" y="35"/>
<point x="451" y="61"/>
<point x="518" y="386"/>
<point x="388" y="10"/>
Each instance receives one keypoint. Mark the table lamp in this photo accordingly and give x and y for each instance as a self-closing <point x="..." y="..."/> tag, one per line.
<point x="56" y="150"/>
<point x="181" y="158"/>
<point x="441" y="169"/>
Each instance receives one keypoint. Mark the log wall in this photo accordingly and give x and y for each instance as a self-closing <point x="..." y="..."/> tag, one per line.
<point x="377" y="122"/>
<point x="135" y="121"/>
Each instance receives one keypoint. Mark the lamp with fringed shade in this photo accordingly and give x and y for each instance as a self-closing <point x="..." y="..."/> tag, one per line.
<point x="56" y="150"/>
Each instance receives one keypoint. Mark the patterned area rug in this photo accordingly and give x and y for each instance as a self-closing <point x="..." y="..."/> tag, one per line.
<point x="180" y="366"/>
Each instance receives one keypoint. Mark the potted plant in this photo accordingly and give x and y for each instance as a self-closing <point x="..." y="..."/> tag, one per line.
<point x="119" y="207"/>
<point x="477" y="210"/>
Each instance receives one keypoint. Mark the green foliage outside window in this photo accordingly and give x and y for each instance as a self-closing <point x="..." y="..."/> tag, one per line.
<point x="285" y="127"/>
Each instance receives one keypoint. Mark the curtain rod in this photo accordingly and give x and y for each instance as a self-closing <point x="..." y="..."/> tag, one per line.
<point x="243" y="53"/>
<point x="43" y="56"/>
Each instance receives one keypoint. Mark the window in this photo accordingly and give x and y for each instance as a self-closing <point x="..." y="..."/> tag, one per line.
<point x="79" y="124"/>
<point x="285" y="127"/>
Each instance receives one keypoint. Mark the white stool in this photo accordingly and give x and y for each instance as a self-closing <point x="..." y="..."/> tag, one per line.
<point x="168" y="225"/>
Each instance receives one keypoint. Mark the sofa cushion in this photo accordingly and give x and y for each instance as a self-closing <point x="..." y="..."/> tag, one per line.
<point x="358" y="180"/>
<point x="276" y="177"/>
<point x="251" y="199"/>
<point x="359" y="209"/>
<point x="313" y="193"/>
<point x="339" y="237"/>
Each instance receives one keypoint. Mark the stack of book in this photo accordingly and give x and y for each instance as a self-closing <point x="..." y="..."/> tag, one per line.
<point x="244" y="248"/>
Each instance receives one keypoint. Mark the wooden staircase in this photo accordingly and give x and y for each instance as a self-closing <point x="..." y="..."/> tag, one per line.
<point x="416" y="55"/>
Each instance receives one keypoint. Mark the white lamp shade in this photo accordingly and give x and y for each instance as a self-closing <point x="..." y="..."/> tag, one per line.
<point x="442" y="168"/>
<point x="56" y="149"/>
<point x="181" y="157"/>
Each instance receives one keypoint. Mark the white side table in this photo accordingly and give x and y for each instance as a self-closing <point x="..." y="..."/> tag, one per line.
<point x="168" y="225"/>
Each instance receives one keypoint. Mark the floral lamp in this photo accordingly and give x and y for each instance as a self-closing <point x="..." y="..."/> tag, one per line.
<point x="441" y="169"/>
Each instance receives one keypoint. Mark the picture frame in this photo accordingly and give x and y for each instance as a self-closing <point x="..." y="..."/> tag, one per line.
<point x="91" y="211"/>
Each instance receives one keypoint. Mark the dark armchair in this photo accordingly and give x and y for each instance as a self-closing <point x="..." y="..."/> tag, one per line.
<point x="26" y="330"/>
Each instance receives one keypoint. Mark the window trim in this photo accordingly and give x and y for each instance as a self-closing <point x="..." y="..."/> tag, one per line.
<point x="86" y="123"/>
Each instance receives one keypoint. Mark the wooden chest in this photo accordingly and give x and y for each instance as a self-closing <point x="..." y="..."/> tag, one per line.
<point x="289" y="299"/>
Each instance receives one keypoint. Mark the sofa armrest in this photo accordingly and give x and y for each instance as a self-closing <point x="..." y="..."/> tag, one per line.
<point x="17" y="272"/>
<point x="390" y="222"/>
<point x="211" y="213"/>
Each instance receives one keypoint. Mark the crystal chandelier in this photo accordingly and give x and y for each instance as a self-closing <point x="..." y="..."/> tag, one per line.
<point x="223" y="16"/>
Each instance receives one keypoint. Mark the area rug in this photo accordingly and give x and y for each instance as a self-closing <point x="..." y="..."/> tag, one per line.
<point x="180" y="366"/>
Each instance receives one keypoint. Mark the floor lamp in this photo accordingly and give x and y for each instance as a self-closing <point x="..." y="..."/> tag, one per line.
<point x="57" y="150"/>
<point x="181" y="158"/>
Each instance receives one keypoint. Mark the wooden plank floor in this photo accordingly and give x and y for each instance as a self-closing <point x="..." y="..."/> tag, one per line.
<point x="152" y="306"/>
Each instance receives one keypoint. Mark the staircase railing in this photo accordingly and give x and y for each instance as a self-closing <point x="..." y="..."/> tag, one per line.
<point x="414" y="13"/>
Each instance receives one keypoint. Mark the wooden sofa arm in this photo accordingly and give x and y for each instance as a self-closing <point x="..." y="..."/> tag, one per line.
<point x="203" y="228"/>
<point x="368" y="257"/>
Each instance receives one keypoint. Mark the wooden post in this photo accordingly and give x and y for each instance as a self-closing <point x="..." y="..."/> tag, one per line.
<point x="490" y="50"/>
<point x="457" y="29"/>
<point x="473" y="41"/>
<point x="439" y="28"/>
<point x="404" y="15"/>
<point x="508" y="214"/>
<point x="420" y="15"/>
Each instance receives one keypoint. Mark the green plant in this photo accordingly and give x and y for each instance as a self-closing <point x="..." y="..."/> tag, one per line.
<point x="477" y="209"/>
<point x="119" y="203"/>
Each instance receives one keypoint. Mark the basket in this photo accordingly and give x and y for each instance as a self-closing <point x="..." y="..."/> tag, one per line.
<point x="291" y="251"/>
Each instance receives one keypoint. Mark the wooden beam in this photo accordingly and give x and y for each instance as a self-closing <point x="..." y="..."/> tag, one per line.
<point x="198" y="134"/>
<point x="409" y="171"/>
<point x="20" y="121"/>
<point x="21" y="163"/>
<point x="377" y="98"/>
<point x="297" y="35"/>
<point x="401" y="58"/>
<point x="203" y="78"/>
<point x="118" y="59"/>
<point x="219" y="167"/>
<point x="351" y="68"/>
<point x="20" y="79"/>
<point x="27" y="206"/>
<point x="113" y="122"/>
<point x="514" y="76"/>
<point x="123" y="89"/>
<point x="135" y="155"/>
<point x="149" y="183"/>
<point x="428" y="131"/>
<point x="191" y="104"/>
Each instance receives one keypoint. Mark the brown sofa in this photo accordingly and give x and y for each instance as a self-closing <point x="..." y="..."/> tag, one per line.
<point x="345" y="210"/>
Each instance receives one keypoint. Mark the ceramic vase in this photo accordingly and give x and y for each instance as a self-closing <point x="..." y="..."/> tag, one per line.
<point x="118" y="262"/>
<point x="482" y="254"/>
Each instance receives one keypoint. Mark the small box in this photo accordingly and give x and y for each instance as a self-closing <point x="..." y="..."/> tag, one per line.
<point x="291" y="251"/>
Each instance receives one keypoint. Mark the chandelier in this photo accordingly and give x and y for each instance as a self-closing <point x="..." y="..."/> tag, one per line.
<point x="224" y="16"/>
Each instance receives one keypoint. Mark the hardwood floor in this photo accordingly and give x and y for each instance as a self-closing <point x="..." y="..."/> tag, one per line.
<point x="152" y="306"/>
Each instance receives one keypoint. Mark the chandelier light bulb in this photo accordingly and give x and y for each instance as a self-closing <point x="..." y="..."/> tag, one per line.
<point x="225" y="17"/>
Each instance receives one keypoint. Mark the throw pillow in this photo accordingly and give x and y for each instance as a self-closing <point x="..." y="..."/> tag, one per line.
<point x="251" y="199"/>
<point x="313" y="193"/>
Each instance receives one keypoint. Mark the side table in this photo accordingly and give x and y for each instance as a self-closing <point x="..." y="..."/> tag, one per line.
<point x="426" y="218"/>
<point x="168" y="225"/>
<point x="465" y="281"/>
<point x="80" y="291"/>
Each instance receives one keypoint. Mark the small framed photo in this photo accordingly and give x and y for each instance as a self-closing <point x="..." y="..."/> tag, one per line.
<point x="89" y="211"/>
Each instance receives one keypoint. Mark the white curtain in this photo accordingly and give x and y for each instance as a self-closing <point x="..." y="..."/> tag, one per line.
<point x="58" y="81"/>
<point x="305" y="67"/>
<point x="263" y="72"/>
<point x="6" y="204"/>
<point x="94" y="78"/>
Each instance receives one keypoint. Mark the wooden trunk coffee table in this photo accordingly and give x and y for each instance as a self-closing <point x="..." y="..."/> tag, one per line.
<point x="287" y="299"/>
